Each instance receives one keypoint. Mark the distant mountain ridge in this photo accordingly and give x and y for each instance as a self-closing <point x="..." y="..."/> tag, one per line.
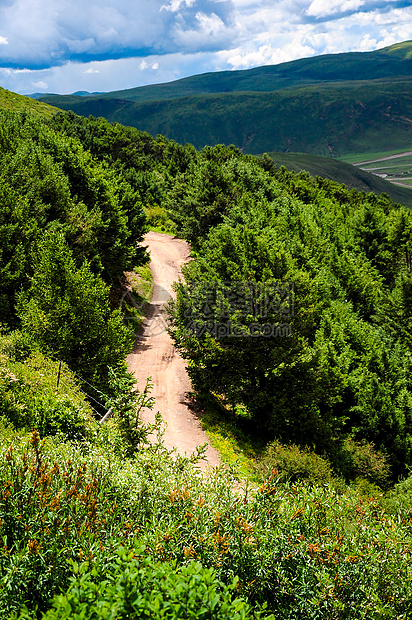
<point x="78" y="93"/>
<point x="389" y="62"/>
<point x="328" y="105"/>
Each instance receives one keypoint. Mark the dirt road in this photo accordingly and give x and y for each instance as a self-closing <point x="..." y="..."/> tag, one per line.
<point x="372" y="161"/>
<point x="154" y="354"/>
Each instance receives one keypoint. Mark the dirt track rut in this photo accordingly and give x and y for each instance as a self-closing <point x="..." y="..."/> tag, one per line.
<point x="154" y="354"/>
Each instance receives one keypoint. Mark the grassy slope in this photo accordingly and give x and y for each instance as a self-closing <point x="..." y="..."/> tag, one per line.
<point x="351" y="176"/>
<point x="13" y="101"/>
<point x="340" y="103"/>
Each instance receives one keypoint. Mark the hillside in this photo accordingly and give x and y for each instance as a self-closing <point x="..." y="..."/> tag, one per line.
<point x="390" y="62"/>
<point x="334" y="104"/>
<point x="13" y="101"/>
<point x="331" y="119"/>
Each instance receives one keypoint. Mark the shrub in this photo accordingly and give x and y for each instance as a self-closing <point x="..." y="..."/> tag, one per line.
<point x="31" y="399"/>
<point x="293" y="464"/>
<point x="305" y="550"/>
<point x="399" y="499"/>
<point x="138" y="587"/>
<point x="362" y="460"/>
<point x="157" y="217"/>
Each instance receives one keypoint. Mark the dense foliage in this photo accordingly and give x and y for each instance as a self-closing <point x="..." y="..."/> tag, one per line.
<point x="69" y="227"/>
<point x="343" y="372"/>
<point x="110" y="537"/>
<point x="344" y="368"/>
<point x="91" y="530"/>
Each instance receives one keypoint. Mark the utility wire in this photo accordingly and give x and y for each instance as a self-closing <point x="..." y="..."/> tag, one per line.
<point x="71" y="385"/>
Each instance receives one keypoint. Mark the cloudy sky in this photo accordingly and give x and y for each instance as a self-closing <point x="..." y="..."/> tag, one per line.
<point x="99" y="45"/>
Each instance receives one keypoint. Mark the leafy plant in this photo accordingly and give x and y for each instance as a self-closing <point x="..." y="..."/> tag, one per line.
<point x="127" y="405"/>
<point x="135" y="586"/>
<point x="293" y="464"/>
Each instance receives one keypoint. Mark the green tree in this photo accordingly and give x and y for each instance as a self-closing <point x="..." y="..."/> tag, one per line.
<point x="67" y="312"/>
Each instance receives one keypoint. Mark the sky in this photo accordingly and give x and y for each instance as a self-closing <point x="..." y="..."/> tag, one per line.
<point x="64" y="46"/>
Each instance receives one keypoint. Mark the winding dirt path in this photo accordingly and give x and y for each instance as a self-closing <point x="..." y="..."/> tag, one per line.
<point x="155" y="356"/>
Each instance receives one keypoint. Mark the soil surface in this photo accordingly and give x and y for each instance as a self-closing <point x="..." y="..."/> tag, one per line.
<point x="155" y="356"/>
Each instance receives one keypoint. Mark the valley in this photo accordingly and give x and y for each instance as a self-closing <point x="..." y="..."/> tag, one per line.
<point x="333" y="104"/>
<point x="395" y="168"/>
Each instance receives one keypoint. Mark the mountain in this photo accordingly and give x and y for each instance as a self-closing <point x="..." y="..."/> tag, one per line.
<point x="390" y="62"/>
<point x="327" y="105"/>
<point x="78" y="93"/>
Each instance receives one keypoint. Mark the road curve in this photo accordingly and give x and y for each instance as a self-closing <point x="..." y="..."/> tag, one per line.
<point x="155" y="356"/>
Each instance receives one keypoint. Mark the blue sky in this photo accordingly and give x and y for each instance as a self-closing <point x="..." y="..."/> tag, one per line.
<point x="68" y="45"/>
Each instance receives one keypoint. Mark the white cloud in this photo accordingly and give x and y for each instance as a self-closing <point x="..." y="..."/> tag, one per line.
<point x="106" y="45"/>
<point x="175" y="5"/>
<point x="41" y="33"/>
<point x="367" y="44"/>
<point x="208" y="32"/>
<point x="267" y="55"/>
<point x="321" y="8"/>
<point x="40" y="85"/>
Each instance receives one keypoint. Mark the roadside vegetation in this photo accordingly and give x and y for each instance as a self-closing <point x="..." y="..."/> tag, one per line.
<point x="100" y="520"/>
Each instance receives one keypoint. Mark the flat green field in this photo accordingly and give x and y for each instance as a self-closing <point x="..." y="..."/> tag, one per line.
<point x="403" y="181"/>
<point x="355" y="158"/>
<point x="393" y="166"/>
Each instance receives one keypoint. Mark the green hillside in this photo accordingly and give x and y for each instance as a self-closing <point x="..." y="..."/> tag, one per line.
<point x="334" y="104"/>
<point x="341" y="172"/>
<point x="13" y="101"/>
<point x="334" y="118"/>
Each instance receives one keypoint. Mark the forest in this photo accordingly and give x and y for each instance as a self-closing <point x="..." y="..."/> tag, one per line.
<point x="295" y="316"/>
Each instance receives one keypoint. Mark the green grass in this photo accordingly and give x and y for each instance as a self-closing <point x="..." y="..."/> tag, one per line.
<point x="134" y="298"/>
<point x="404" y="181"/>
<point x="398" y="170"/>
<point x="41" y="393"/>
<point x="355" y="158"/>
<point x="232" y="436"/>
<point x="13" y="101"/>
<point x="141" y="280"/>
